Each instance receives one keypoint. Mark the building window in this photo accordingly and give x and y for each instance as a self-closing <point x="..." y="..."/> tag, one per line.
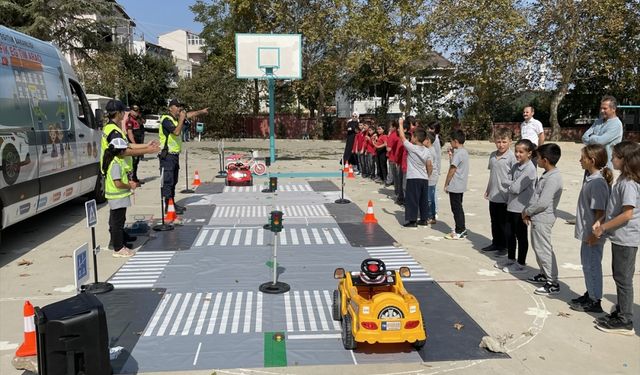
<point x="194" y="40"/>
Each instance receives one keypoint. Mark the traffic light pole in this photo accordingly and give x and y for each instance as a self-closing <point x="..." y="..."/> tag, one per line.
<point x="275" y="286"/>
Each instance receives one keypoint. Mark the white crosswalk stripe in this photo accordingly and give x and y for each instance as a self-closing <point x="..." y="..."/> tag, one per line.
<point x="258" y="188"/>
<point x="257" y="211"/>
<point x="141" y="270"/>
<point x="394" y="258"/>
<point x="309" y="310"/>
<point x="207" y="313"/>
<point x="251" y="236"/>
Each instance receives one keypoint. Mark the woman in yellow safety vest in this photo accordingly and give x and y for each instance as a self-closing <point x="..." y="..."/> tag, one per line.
<point x="118" y="190"/>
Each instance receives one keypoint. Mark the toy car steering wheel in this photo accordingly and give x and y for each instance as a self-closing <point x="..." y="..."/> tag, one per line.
<point x="373" y="268"/>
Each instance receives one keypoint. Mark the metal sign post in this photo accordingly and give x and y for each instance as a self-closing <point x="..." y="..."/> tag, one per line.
<point x="162" y="227"/>
<point x="186" y="174"/>
<point x="222" y="172"/>
<point x="342" y="200"/>
<point x="92" y="220"/>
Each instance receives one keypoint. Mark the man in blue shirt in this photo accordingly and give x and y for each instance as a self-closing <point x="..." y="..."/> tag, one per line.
<point x="607" y="130"/>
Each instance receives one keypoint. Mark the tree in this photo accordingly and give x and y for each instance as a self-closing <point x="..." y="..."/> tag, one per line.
<point x="585" y="43"/>
<point x="486" y="39"/>
<point x="63" y="22"/>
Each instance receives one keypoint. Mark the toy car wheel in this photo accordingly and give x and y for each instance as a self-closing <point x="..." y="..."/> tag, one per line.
<point x="336" y="310"/>
<point x="419" y="344"/>
<point x="348" y="340"/>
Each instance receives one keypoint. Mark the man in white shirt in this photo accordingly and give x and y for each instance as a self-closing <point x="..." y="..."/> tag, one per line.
<point x="531" y="128"/>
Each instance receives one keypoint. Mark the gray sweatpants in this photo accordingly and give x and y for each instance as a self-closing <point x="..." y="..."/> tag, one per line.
<point x="391" y="172"/>
<point x="623" y="265"/>
<point x="541" y="243"/>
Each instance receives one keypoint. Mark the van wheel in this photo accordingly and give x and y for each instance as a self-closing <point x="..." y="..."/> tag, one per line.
<point x="98" y="192"/>
<point x="10" y="164"/>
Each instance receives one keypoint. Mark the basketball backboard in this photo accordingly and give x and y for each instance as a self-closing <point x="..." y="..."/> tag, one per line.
<point x="255" y="53"/>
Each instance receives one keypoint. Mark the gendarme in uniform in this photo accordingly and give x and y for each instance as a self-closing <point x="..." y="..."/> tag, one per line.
<point x="170" y="163"/>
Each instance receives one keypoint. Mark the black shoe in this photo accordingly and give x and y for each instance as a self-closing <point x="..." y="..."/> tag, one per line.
<point x="411" y="224"/>
<point x="617" y="325"/>
<point x="180" y="211"/>
<point x="422" y="222"/>
<point x="179" y="207"/>
<point x="587" y="306"/>
<point x="548" y="289"/>
<point x="400" y="203"/>
<point x="606" y="317"/>
<point x="582" y="299"/>
<point x="491" y="247"/>
<point x="537" y="279"/>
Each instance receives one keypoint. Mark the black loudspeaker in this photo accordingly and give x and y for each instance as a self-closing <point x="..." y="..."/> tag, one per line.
<point x="72" y="337"/>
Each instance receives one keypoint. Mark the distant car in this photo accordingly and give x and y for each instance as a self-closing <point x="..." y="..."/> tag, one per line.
<point x="374" y="307"/>
<point x="152" y="123"/>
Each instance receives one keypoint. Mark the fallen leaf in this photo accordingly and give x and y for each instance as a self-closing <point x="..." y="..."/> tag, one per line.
<point x="65" y="256"/>
<point x="48" y="294"/>
<point x="25" y="262"/>
<point x="527" y="333"/>
<point x="564" y="314"/>
<point x="458" y="326"/>
<point x="460" y="284"/>
<point x="24" y="275"/>
<point x="542" y="358"/>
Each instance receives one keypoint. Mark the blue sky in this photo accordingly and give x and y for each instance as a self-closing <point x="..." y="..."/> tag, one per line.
<point x="155" y="17"/>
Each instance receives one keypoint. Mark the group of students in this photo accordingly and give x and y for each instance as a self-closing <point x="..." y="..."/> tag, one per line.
<point x="519" y="199"/>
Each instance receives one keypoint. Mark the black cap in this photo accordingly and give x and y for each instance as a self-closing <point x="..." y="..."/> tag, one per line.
<point x="115" y="106"/>
<point x="175" y="102"/>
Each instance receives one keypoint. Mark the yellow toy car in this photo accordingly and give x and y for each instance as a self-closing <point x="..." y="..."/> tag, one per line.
<point x="374" y="306"/>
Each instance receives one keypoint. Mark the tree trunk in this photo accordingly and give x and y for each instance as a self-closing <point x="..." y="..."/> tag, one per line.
<point x="553" y="110"/>
<point x="319" y="133"/>
<point x="256" y="97"/>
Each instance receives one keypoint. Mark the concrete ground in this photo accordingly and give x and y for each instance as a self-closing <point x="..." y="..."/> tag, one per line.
<point x="541" y="334"/>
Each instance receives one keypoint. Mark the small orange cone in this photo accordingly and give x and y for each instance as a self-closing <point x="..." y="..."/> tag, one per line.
<point x="369" y="217"/>
<point x="171" y="212"/>
<point x="346" y="167"/>
<point x="28" y="347"/>
<point x="196" y="179"/>
<point x="350" y="175"/>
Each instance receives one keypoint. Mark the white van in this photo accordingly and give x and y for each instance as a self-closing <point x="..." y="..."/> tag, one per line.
<point x="49" y="137"/>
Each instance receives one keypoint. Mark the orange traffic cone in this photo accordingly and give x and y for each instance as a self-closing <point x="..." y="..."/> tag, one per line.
<point x="369" y="217"/>
<point x="28" y="347"/>
<point x="171" y="212"/>
<point x="196" y="179"/>
<point x="346" y="167"/>
<point x="350" y="175"/>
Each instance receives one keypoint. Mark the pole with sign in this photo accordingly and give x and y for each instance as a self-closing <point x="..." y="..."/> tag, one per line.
<point x="92" y="220"/>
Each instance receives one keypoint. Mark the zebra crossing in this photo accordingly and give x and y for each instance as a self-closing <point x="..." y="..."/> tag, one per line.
<point x="309" y="310"/>
<point x="258" y="188"/>
<point x="394" y="257"/>
<point x="257" y="236"/>
<point x="142" y="270"/>
<point x="235" y="211"/>
<point x="182" y="314"/>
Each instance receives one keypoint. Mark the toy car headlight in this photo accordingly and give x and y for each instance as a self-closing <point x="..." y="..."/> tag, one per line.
<point x="413" y="308"/>
<point x="365" y="309"/>
<point x="237" y="174"/>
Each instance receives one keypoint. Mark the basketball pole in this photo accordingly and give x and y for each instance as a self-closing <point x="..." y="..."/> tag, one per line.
<point x="272" y="112"/>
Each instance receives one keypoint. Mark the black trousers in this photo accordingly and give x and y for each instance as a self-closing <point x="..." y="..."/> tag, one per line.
<point x="416" y="199"/>
<point x="117" y="218"/>
<point x="398" y="184"/>
<point x="139" y="138"/>
<point x="455" y="199"/>
<point x="517" y="233"/>
<point x="382" y="165"/>
<point x="499" y="222"/>
<point x="171" y="165"/>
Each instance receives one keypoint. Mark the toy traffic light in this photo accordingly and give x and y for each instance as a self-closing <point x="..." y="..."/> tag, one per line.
<point x="273" y="184"/>
<point x="276" y="221"/>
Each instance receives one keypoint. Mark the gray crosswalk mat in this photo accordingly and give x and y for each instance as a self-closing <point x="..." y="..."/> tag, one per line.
<point x="142" y="270"/>
<point x="252" y="211"/>
<point x="257" y="236"/>
<point x="394" y="258"/>
<point x="291" y="187"/>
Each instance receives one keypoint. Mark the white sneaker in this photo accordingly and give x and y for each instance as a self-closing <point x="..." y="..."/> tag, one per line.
<point x="503" y="263"/>
<point x="456" y="236"/>
<point x="514" y="268"/>
<point x="125" y="252"/>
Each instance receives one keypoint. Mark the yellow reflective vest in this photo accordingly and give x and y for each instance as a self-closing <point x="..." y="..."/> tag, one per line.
<point x="104" y="143"/>
<point x="175" y="141"/>
<point x="111" y="190"/>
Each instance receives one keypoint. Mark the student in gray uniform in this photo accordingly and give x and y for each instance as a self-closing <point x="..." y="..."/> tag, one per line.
<point x="541" y="214"/>
<point x="500" y="163"/>
<point x="520" y="185"/>
<point x="456" y="183"/>
<point x="622" y="227"/>
<point x="592" y="204"/>
<point x="417" y="178"/>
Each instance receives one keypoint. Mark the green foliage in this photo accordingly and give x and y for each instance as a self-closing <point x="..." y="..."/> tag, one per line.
<point x="62" y="22"/>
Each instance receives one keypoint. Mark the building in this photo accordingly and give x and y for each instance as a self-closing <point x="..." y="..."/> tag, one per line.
<point x="143" y="47"/>
<point x="187" y="50"/>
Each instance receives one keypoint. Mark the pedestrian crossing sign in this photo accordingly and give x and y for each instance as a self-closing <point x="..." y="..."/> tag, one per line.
<point x="92" y="213"/>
